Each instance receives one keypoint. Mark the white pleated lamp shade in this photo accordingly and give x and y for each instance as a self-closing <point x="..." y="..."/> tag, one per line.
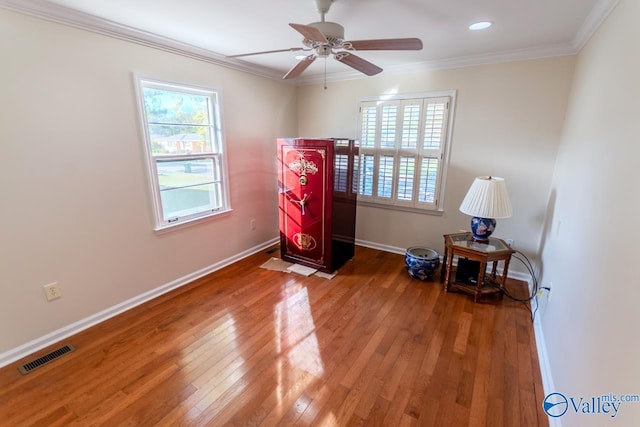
<point x="487" y="198"/>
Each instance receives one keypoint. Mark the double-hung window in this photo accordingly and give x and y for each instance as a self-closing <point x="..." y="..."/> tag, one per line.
<point x="403" y="150"/>
<point x="184" y="146"/>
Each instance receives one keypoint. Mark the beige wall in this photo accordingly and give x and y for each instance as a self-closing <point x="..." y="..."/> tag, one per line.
<point x="589" y="247"/>
<point x="508" y="122"/>
<point x="75" y="207"/>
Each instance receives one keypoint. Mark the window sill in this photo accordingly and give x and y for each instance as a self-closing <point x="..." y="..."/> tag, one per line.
<point x="189" y="223"/>
<point x="436" y="212"/>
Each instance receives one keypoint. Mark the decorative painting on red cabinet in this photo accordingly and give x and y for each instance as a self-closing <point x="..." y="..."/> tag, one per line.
<point x="303" y="203"/>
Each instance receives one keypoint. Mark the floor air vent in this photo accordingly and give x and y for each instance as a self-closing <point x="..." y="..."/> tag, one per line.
<point x="49" y="357"/>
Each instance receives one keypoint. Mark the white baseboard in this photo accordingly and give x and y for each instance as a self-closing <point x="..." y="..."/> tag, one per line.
<point x="545" y="370"/>
<point x="72" y="329"/>
<point x="381" y="247"/>
<point x="396" y="250"/>
<point x="33" y="346"/>
<point x="545" y="367"/>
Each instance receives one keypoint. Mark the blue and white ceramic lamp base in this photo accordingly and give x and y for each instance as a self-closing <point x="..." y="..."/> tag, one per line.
<point x="482" y="228"/>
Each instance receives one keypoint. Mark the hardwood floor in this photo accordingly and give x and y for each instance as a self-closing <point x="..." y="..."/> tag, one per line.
<point x="249" y="346"/>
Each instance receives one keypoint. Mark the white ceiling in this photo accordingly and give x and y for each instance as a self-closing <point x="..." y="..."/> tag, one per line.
<point x="522" y="29"/>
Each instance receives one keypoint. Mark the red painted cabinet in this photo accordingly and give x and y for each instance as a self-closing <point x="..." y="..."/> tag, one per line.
<point x="317" y="199"/>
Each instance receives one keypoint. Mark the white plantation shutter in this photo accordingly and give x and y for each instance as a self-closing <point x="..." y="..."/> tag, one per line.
<point x="367" y="167"/>
<point x="388" y="126"/>
<point x="368" y="130"/>
<point x="410" y="125"/>
<point x="385" y="176"/>
<point x="402" y="151"/>
<point x="406" y="178"/>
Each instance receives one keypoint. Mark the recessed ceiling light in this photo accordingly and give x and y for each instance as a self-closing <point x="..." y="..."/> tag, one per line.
<point x="482" y="25"/>
<point x="300" y="57"/>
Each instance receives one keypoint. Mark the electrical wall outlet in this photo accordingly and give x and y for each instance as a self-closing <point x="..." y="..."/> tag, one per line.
<point x="543" y="289"/>
<point x="52" y="291"/>
<point x="544" y="293"/>
<point x="542" y="299"/>
<point x="252" y="224"/>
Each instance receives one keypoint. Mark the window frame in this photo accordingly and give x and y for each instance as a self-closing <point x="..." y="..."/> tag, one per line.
<point x="398" y="153"/>
<point x="216" y="155"/>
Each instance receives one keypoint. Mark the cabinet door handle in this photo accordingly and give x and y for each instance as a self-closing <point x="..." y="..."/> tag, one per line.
<point x="302" y="202"/>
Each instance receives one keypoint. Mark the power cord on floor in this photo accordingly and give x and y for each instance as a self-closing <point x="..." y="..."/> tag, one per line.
<point x="534" y="291"/>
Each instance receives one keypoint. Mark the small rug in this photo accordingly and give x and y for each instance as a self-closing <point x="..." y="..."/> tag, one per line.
<point x="326" y="275"/>
<point x="276" y="264"/>
<point x="301" y="269"/>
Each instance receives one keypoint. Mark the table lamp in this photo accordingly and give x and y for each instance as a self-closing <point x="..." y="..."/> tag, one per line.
<point x="486" y="200"/>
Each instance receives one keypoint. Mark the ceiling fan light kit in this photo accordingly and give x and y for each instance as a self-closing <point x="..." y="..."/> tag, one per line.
<point x="323" y="39"/>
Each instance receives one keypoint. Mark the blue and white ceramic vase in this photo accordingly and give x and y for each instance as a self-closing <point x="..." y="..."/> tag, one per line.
<point x="421" y="262"/>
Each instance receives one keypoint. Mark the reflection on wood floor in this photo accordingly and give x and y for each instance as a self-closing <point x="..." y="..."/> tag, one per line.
<point x="250" y="346"/>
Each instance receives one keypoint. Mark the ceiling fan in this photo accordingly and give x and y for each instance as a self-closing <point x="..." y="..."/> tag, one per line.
<point x="326" y="38"/>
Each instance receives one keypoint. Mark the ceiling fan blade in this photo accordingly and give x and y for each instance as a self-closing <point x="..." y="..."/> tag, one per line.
<point x="291" y="49"/>
<point x="386" y="44"/>
<point x="358" y="63"/>
<point x="310" y="33"/>
<point x="300" y="67"/>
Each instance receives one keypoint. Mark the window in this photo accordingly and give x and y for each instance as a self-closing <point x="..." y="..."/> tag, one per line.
<point x="184" y="146"/>
<point x="344" y="166"/>
<point x="403" y="146"/>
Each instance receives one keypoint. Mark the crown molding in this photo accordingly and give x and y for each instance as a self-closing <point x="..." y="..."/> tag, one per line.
<point x="598" y="14"/>
<point x="73" y="18"/>
<point x="76" y="19"/>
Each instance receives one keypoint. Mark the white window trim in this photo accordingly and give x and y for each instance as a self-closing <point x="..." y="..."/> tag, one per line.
<point x="440" y="190"/>
<point x="160" y="224"/>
